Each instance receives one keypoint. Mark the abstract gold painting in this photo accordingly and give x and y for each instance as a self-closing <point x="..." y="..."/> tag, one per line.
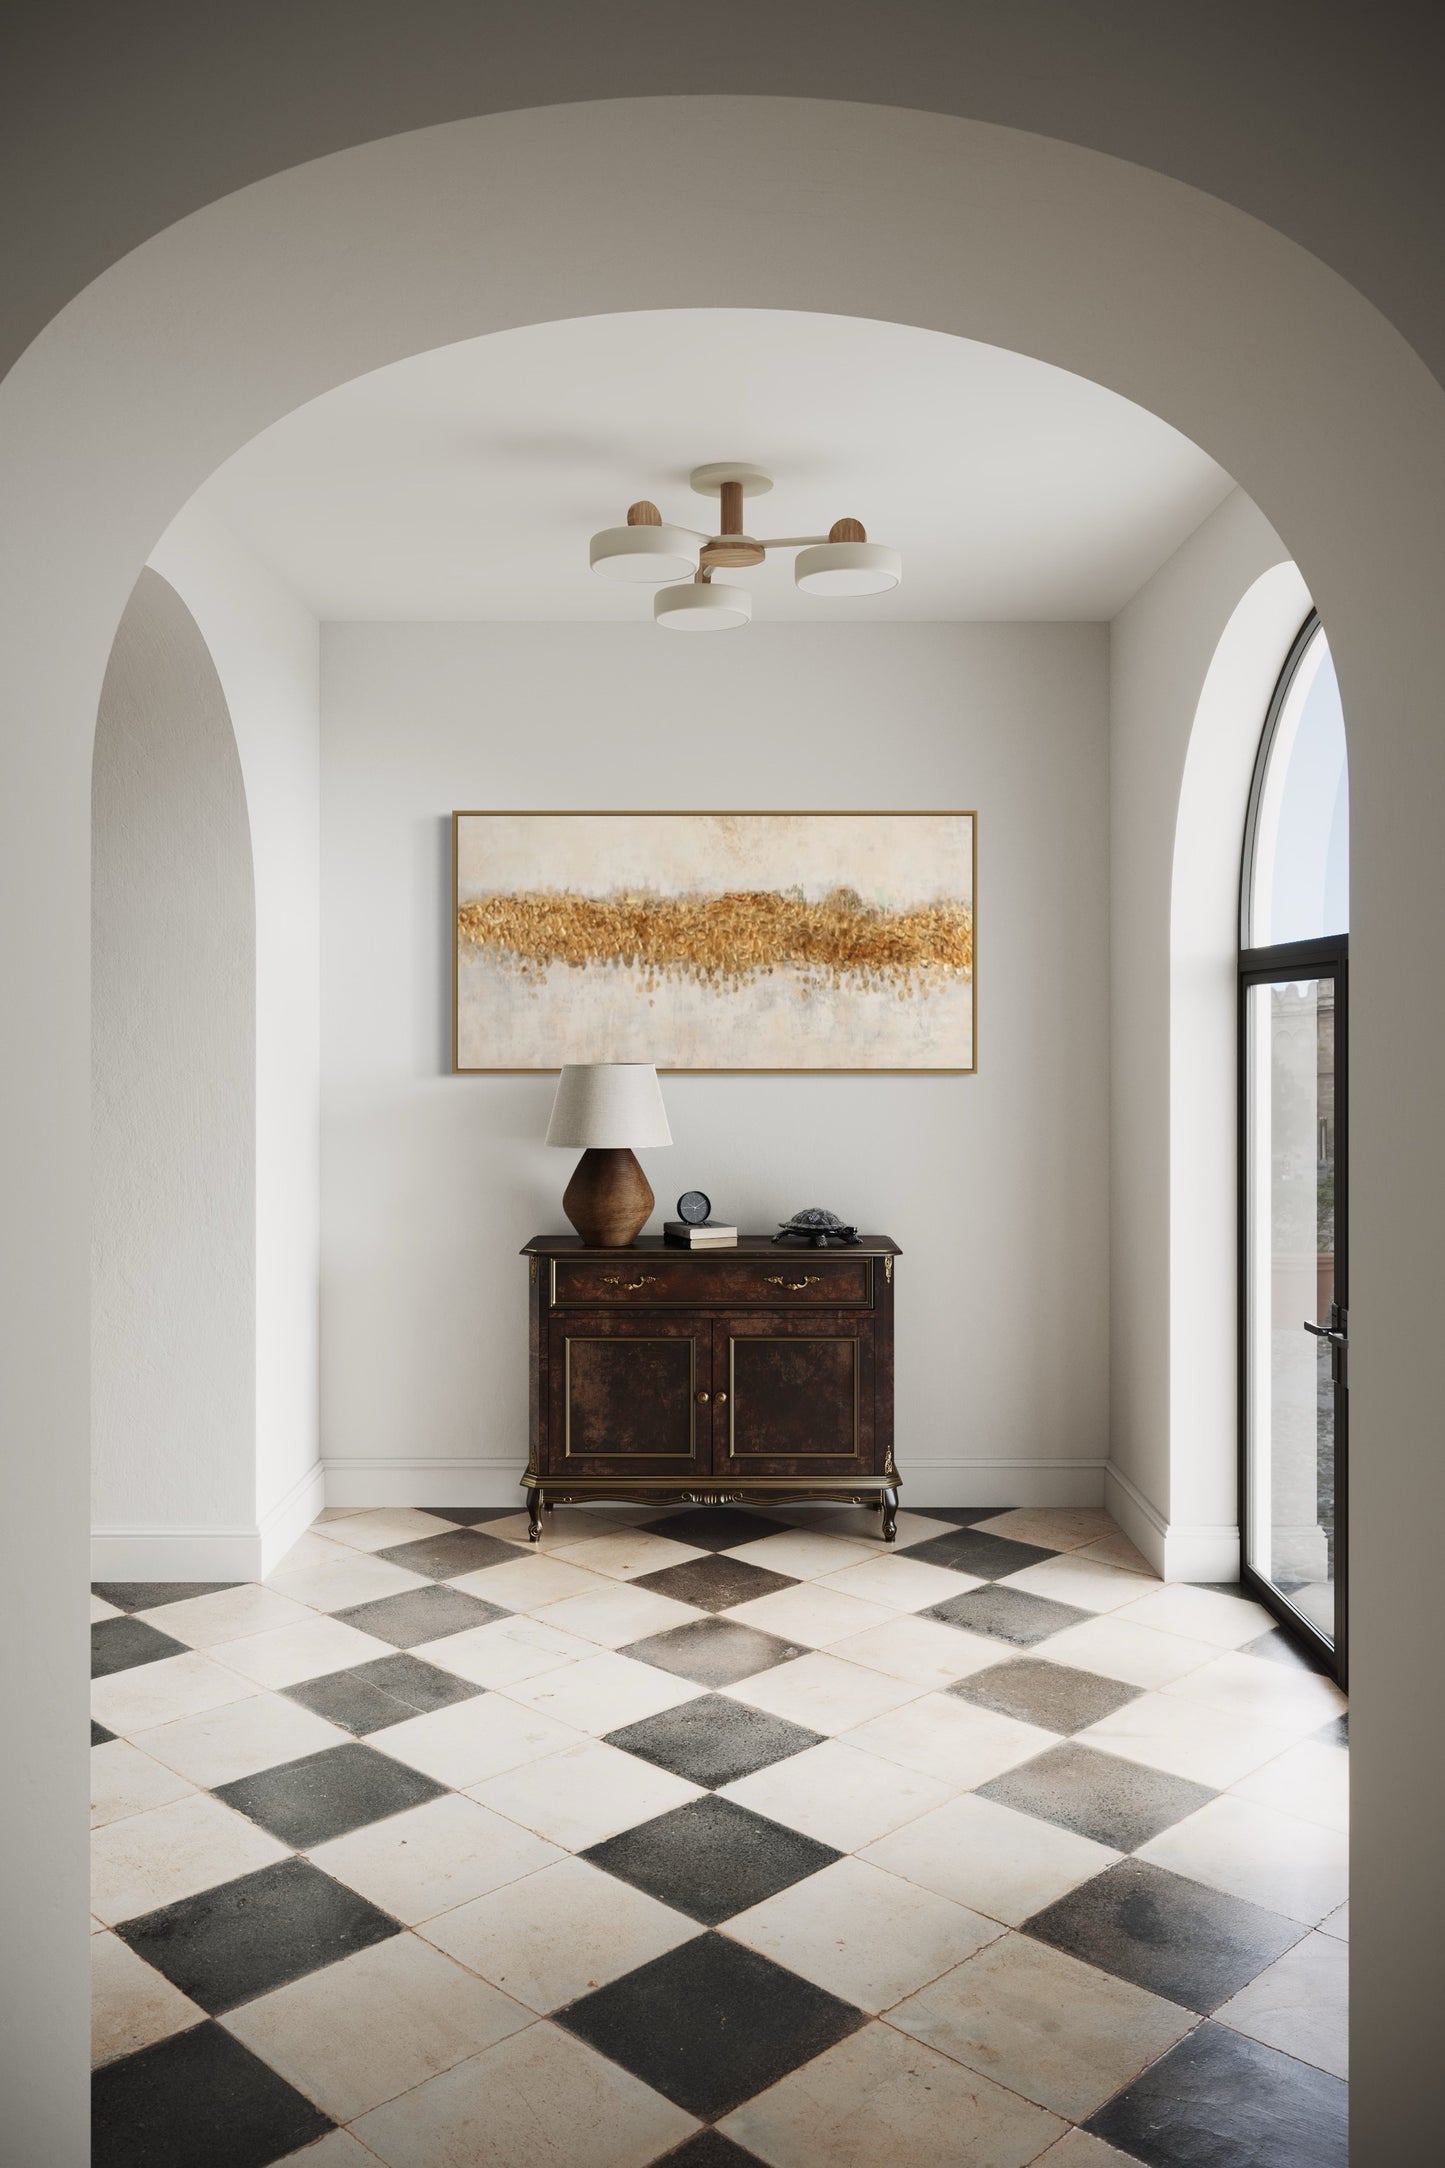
<point x="714" y="941"/>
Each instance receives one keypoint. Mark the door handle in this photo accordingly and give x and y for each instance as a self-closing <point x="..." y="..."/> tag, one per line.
<point x="1337" y="1340"/>
<point x="1331" y="1333"/>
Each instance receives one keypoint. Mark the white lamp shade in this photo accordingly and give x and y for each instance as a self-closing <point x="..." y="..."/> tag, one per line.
<point x="645" y="555"/>
<point x="848" y="568"/>
<point x="608" y="1104"/>
<point x="701" y="606"/>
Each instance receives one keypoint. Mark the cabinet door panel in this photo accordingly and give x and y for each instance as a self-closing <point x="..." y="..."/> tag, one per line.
<point x="623" y="1396"/>
<point x="794" y="1397"/>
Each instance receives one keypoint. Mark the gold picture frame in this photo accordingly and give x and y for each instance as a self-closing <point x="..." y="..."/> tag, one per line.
<point x="512" y="933"/>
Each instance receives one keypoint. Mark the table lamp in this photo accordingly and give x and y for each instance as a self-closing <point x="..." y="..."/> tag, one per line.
<point x="608" y="1107"/>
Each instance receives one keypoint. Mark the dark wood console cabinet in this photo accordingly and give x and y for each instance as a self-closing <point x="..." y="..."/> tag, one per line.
<point x="711" y="1376"/>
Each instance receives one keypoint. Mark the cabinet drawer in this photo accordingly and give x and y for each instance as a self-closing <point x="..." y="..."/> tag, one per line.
<point x="834" y="1280"/>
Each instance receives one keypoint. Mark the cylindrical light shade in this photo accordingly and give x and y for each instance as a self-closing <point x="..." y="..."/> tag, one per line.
<point x="701" y="606"/>
<point x="644" y="554"/>
<point x="608" y="1104"/>
<point x="848" y="568"/>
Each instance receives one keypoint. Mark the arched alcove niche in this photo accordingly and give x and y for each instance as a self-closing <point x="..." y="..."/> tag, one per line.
<point x="1236" y="336"/>
<point x="173" y="1110"/>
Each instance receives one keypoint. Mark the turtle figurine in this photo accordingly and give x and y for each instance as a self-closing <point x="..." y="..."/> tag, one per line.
<point x="815" y="1226"/>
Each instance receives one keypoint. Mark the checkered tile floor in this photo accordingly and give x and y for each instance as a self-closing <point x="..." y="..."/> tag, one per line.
<point x="713" y="1837"/>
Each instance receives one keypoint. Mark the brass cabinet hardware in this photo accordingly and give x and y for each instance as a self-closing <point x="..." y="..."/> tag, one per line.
<point x="722" y="1400"/>
<point x="702" y="1397"/>
<point x="534" y="1271"/>
<point x="809" y="1279"/>
<point x="615" y="1279"/>
<point x="888" y="1270"/>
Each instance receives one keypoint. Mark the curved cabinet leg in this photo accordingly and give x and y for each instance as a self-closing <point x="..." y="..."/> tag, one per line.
<point x="890" y="1515"/>
<point x="534" y="1516"/>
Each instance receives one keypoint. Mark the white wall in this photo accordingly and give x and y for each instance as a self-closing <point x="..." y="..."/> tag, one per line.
<point x="173" y="1123"/>
<point x="265" y="646"/>
<point x="995" y="1184"/>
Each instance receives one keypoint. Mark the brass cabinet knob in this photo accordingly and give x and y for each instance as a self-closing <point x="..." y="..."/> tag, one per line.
<point x="702" y="1396"/>
<point x="722" y="1399"/>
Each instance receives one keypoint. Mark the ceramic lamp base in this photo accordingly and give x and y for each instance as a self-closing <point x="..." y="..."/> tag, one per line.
<point x="608" y="1199"/>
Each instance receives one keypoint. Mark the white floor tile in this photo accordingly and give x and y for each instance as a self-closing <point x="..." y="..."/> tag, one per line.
<point x="522" y="2105"/>
<point x="1118" y="1649"/>
<point x="1270" y="1859"/>
<point x="1299" y="2004"/>
<point x="1080" y="1581"/>
<point x="862" y="1934"/>
<point x="1338" y="1923"/>
<point x="1117" y="1550"/>
<point x="865" y="1525"/>
<point x="603" y="1693"/>
<point x="473" y="1740"/>
<point x="1005" y="1865"/>
<point x="338" y="2149"/>
<point x="1200" y="1614"/>
<point x="1187" y="1738"/>
<point x="1059" y="2032"/>
<point x="530" y="1580"/>
<point x="1077" y="2149"/>
<point x="125" y="1780"/>
<point x="612" y="1613"/>
<point x="227" y="1614"/>
<point x="921" y="1650"/>
<point x="387" y="1525"/>
<point x="627" y="1553"/>
<point x="100" y="1609"/>
<point x="558" y="1934"/>
<point x="171" y="1852"/>
<point x="1053" y="1528"/>
<point x="342" y="1579"/>
<point x="900" y="1582"/>
<point x="588" y="1792"/>
<point x="221" y="1745"/>
<point x="504" y="1651"/>
<point x="337" y="1513"/>
<point x="880" y="2097"/>
<point x="131" y="2004"/>
<point x="433" y="1857"/>
<point x="805" y="1554"/>
<point x="1311" y="1780"/>
<point x="150" y="1694"/>
<point x="288" y="1654"/>
<point x="570" y="1524"/>
<point x="810" y="1614"/>
<point x="956" y="1742"/>
<point x="359" y="2032"/>
<point x="1266" y="1693"/>
<point x="837" y="1794"/>
<point x="822" y="1692"/>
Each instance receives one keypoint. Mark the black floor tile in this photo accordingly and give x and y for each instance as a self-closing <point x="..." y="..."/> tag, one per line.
<point x="197" y="2100"/>
<point x="386" y="1691"/>
<point x="709" y="2149"/>
<point x="1116" y="1802"/>
<point x="711" y="1859"/>
<point x="119" y="1644"/>
<point x="972" y="1550"/>
<point x="324" y="1795"/>
<point x="421" y="1614"/>
<point x="715" y="1528"/>
<point x="715" y="1583"/>
<point x="1337" y="1731"/>
<point x="961" y="1516"/>
<point x="1218" y="2100"/>
<point x="472" y="1516"/>
<point x="454" y="1552"/>
<point x="145" y="1595"/>
<point x="241" y="1939"/>
<point x="1193" y="1945"/>
<point x="1278" y="1647"/>
<point x="99" y="1736"/>
<point x="1008" y="1614"/>
<point x="710" y="2024"/>
<point x="1054" y="1696"/>
<point x="713" y="1740"/>
<point x="714" y="1651"/>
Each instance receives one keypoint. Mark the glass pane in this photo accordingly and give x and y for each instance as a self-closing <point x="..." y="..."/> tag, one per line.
<point x="1290" y="1263"/>
<point x="1300" y="879"/>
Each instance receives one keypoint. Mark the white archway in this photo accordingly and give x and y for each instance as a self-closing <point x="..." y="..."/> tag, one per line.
<point x="1239" y="338"/>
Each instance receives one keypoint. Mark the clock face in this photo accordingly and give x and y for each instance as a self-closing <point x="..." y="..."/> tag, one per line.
<point x="693" y="1207"/>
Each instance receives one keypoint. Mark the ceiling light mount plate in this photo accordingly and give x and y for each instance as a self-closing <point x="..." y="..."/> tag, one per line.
<point x="752" y="481"/>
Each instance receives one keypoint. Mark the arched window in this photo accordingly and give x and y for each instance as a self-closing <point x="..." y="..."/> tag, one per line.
<point x="1294" y="935"/>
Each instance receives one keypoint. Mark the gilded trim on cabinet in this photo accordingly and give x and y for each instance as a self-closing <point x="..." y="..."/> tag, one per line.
<point x="794" y="1339"/>
<point x="607" y="1339"/>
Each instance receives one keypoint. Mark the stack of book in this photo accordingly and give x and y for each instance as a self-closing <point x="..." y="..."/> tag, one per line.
<point x="709" y="1236"/>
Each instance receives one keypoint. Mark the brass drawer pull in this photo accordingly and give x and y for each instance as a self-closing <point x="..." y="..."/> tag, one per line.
<point x="702" y="1397"/>
<point x="809" y="1279"/>
<point x="615" y="1279"/>
<point x="722" y="1400"/>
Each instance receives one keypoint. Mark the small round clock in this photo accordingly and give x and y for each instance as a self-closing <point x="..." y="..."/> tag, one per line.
<point x="693" y="1208"/>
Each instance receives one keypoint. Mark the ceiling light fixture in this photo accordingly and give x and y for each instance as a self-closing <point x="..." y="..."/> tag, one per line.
<point x="680" y="561"/>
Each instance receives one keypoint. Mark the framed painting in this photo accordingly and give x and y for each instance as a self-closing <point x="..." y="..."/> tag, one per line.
<point x="714" y="941"/>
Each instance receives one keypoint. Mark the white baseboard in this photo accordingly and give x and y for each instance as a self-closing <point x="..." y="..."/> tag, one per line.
<point x="1176" y="1551"/>
<point x="477" y="1482"/>
<point x="209" y="1554"/>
